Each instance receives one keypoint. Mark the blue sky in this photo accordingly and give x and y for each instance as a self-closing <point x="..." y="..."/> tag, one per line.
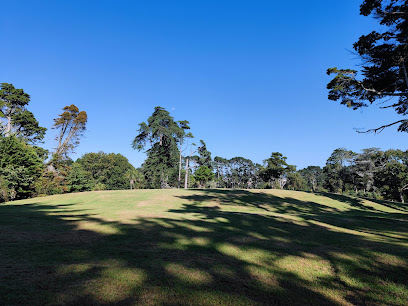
<point x="248" y="75"/>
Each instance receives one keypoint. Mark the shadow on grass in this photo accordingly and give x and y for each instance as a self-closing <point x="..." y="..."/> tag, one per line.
<point x="206" y="255"/>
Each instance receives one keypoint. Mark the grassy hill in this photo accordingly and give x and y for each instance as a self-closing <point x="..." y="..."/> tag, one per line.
<point x="203" y="247"/>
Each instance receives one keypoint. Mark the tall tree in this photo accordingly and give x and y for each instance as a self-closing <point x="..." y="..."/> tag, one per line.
<point x="275" y="168"/>
<point x="336" y="169"/>
<point x="70" y="125"/>
<point x="365" y="168"/>
<point x="15" y="118"/>
<point x="181" y="137"/>
<point x="204" y="158"/>
<point x="160" y="135"/>
<point x="385" y="69"/>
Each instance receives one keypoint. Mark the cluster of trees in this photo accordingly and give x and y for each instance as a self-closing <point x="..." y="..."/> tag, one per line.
<point x="171" y="156"/>
<point x="26" y="169"/>
<point x="373" y="173"/>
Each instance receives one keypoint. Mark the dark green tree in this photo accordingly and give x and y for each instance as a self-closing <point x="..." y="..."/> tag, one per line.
<point x="20" y="166"/>
<point x="384" y="56"/>
<point x="203" y="175"/>
<point x="78" y="179"/>
<point x="275" y="168"/>
<point x="109" y="170"/>
<point x="27" y="127"/>
<point x="160" y="134"/>
<point x="15" y="119"/>
<point x="204" y="158"/>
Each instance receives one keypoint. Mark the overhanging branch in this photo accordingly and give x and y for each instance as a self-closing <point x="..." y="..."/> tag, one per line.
<point x="381" y="128"/>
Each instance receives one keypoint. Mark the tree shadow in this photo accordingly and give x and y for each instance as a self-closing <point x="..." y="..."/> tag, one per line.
<point x="212" y="257"/>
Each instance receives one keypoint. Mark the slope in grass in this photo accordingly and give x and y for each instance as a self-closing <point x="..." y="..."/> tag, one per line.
<point x="203" y="247"/>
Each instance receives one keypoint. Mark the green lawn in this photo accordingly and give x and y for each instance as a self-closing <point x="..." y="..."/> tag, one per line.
<point x="203" y="247"/>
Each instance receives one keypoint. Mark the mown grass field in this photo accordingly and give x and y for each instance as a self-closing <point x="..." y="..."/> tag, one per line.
<point x="203" y="247"/>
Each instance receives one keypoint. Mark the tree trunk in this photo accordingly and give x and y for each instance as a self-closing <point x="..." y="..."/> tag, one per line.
<point x="179" y="177"/>
<point x="8" y="128"/>
<point x="402" y="197"/>
<point x="186" y="176"/>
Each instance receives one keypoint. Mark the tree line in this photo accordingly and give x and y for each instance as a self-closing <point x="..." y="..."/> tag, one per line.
<point x="173" y="160"/>
<point x="172" y="155"/>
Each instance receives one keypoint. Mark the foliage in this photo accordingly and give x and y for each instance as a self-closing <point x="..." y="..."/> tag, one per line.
<point x="15" y="119"/>
<point x="336" y="170"/>
<point x="20" y="166"/>
<point x="70" y="125"/>
<point x="4" y="190"/>
<point x="204" y="158"/>
<point x="237" y="172"/>
<point x="135" y="178"/>
<point x="392" y="177"/>
<point x="50" y="183"/>
<point x="384" y="55"/>
<point x="275" y="168"/>
<point x="295" y="181"/>
<point x="314" y="178"/>
<point x="105" y="169"/>
<point x="27" y="127"/>
<point x="203" y="174"/>
<point x="160" y="134"/>
<point x="78" y="179"/>
<point x="160" y="167"/>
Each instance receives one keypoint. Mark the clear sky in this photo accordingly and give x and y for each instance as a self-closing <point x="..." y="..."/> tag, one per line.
<point x="248" y="75"/>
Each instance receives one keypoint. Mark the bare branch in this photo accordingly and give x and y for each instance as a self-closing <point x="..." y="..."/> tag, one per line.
<point x="381" y="128"/>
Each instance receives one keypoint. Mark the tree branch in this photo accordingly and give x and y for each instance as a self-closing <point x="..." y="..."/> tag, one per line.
<point x="381" y="128"/>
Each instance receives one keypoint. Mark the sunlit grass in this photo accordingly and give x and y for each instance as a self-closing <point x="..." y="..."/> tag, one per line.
<point x="203" y="247"/>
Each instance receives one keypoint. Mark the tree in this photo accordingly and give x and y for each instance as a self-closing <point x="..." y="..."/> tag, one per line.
<point x="295" y="181"/>
<point x="78" y="179"/>
<point x="160" y="134"/>
<point x="181" y="137"/>
<point x="203" y="174"/>
<point x="70" y="126"/>
<point x="204" y="158"/>
<point x="105" y="169"/>
<point x="336" y="169"/>
<point x="27" y="127"/>
<point x="384" y="70"/>
<point x="189" y="167"/>
<point x="392" y="177"/>
<point x="365" y="168"/>
<point x="135" y="178"/>
<point x="275" y="168"/>
<point x="20" y="166"/>
<point x="15" y="118"/>
<point x="314" y="177"/>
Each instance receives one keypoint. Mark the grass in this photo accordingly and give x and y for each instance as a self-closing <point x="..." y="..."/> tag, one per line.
<point x="203" y="247"/>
